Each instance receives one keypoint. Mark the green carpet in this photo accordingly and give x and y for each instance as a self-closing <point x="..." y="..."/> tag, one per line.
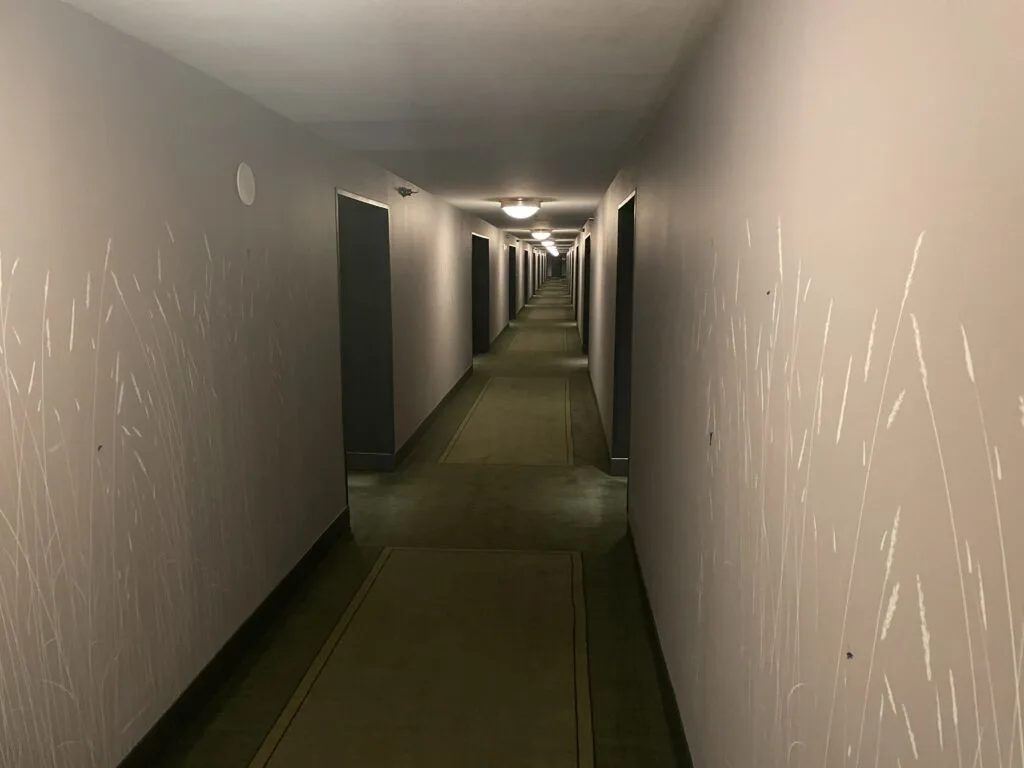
<point x="427" y="504"/>
<point x="454" y="658"/>
<point x="539" y="340"/>
<point x="516" y="420"/>
<point x="562" y="313"/>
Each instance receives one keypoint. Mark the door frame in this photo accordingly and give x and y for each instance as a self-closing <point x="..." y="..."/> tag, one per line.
<point x="588" y="258"/>
<point x="368" y="200"/>
<point x="512" y="281"/>
<point x="524" y="275"/>
<point x="472" y="309"/>
<point x="623" y="344"/>
<point x="384" y="465"/>
<point x="339" y="192"/>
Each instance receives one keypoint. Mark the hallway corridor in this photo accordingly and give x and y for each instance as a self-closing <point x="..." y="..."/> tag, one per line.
<point x="487" y="610"/>
<point x="306" y="462"/>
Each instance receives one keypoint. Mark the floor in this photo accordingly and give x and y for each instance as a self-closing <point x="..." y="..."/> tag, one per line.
<point x="515" y="462"/>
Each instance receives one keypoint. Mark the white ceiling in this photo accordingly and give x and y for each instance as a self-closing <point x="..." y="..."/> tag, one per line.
<point x="469" y="99"/>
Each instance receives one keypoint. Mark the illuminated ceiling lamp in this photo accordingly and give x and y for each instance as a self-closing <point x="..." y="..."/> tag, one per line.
<point x="548" y="243"/>
<point x="520" y="207"/>
<point x="540" y="232"/>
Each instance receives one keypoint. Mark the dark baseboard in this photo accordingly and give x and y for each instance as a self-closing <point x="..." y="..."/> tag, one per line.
<point x="405" y="450"/>
<point x="358" y="461"/>
<point x="167" y="730"/>
<point x="618" y="467"/>
<point x="668" y="696"/>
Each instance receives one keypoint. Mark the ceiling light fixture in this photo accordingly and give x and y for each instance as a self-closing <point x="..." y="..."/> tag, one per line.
<point x="540" y="234"/>
<point x="520" y="207"/>
<point x="548" y="243"/>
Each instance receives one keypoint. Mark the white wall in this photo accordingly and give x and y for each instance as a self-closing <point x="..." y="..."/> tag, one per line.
<point x="499" y="279"/>
<point x="170" y="429"/>
<point x="828" y="452"/>
<point x="431" y="252"/>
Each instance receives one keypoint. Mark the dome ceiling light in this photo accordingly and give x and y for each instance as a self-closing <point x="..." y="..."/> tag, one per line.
<point x="520" y="207"/>
<point x="540" y="233"/>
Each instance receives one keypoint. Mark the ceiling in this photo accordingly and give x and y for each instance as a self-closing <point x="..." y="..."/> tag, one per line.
<point x="468" y="99"/>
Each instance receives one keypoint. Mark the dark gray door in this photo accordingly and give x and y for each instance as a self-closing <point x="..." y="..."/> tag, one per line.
<point x="572" y="278"/>
<point x="527" y="275"/>
<point x="512" y="283"/>
<point x="585" y="298"/>
<point x="367" y="375"/>
<point x="481" y="295"/>
<point x="622" y="374"/>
